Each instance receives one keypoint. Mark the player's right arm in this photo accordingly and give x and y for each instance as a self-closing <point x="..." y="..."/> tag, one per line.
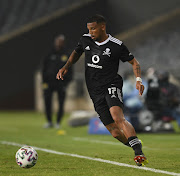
<point x="74" y="57"/>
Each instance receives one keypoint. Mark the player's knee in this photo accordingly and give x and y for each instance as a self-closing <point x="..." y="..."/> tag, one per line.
<point x="119" y="120"/>
<point x="117" y="116"/>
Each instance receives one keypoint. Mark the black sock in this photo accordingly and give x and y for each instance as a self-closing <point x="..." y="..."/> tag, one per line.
<point x="135" y="144"/>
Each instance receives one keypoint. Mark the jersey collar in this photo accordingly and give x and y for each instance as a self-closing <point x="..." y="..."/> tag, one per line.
<point x="104" y="42"/>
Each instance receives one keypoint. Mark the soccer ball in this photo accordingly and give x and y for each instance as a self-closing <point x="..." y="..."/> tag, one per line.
<point x="26" y="157"/>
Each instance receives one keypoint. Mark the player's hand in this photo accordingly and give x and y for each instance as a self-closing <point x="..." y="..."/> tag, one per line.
<point x="140" y="87"/>
<point x="61" y="73"/>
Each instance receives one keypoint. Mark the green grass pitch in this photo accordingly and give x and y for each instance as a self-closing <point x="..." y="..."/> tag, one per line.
<point x="162" y="150"/>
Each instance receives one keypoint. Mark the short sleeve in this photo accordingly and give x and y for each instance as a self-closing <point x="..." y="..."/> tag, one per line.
<point x="125" y="54"/>
<point x="79" y="47"/>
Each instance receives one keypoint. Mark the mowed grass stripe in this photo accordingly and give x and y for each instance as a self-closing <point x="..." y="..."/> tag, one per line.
<point x="111" y="143"/>
<point x="93" y="159"/>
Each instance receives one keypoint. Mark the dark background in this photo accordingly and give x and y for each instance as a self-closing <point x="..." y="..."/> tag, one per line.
<point x="21" y="55"/>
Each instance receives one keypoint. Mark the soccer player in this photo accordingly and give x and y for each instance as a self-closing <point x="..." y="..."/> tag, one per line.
<point x="104" y="84"/>
<point x="56" y="58"/>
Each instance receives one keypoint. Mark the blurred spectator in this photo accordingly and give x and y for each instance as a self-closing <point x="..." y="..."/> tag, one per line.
<point x="169" y="98"/>
<point x="163" y="97"/>
<point x="153" y="93"/>
<point x="50" y="66"/>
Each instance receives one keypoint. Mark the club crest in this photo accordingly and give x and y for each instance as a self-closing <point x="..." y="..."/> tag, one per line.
<point x="107" y="52"/>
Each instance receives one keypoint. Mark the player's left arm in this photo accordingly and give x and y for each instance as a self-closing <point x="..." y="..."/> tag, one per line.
<point x="137" y="72"/>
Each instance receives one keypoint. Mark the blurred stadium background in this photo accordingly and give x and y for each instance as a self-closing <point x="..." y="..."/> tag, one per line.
<point x="150" y="29"/>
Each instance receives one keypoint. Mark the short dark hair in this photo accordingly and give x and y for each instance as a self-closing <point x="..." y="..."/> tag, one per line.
<point x="96" y="18"/>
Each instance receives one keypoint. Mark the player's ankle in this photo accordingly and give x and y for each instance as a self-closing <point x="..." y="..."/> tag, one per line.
<point x="135" y="144"/>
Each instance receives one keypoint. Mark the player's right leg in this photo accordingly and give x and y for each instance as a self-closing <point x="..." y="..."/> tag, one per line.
<point x="129" y="132"/>
<point x="113" y="124"/>
<point x="102" y="109"/>
<point x="118" y="134"/>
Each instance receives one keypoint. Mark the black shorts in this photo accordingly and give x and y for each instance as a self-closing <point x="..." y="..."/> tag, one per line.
<point x="111" y="96"/>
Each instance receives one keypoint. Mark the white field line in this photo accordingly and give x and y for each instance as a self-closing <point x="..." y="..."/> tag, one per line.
<point x="93" y="159"/>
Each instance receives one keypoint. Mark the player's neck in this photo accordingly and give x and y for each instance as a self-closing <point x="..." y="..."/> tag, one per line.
<point x="103" y="38"/>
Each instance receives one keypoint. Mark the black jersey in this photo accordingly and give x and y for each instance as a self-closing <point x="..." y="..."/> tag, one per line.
<point x="51" y="64"/>
<point x="102" y="60"/>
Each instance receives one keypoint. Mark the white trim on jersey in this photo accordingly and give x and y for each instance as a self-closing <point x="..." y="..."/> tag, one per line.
<point x="105" y="41"/>
<point x="115" y="40"/>
<point x="88" y="35"/>
<point x="110" y="38"/>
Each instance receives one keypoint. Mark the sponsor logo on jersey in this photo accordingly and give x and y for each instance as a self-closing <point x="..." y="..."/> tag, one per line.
<point x="94" y="66"/>
<point x="107" y="52"/>
<point x="87" y="48"/>
<point x="95" y="60"/>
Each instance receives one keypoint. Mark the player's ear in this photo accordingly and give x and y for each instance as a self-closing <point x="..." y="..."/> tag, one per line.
<point x="103" y="26"/>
